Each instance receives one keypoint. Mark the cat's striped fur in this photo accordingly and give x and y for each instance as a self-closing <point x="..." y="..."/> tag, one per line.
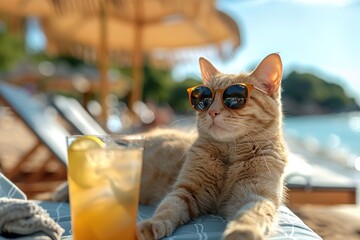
<point x="234" y="167"/>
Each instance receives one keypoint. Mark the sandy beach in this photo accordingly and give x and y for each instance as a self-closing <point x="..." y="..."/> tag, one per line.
<point x="335" y="222"/>
<point x="16" y="140"/>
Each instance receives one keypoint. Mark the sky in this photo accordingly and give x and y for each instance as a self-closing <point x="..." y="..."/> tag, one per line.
<point x="316" y="36"/>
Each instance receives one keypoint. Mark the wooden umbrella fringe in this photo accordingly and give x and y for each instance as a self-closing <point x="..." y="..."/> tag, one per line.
<point x="131" y="12"/>
<point x="163" y="59"/>
<point x="91" y="6"/>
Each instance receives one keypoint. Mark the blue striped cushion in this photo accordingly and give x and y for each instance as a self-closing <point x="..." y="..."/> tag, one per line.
<point x="10" y="190"/>
<point x="205" y="227"/>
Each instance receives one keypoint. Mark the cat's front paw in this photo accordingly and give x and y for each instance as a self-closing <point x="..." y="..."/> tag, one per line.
<point x="153" y="229"/>
<point x="243" y="233"/>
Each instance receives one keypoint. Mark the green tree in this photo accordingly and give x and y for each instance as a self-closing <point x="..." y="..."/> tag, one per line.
<point x="305" y="91"/>
<point x="11" y="50"/>
<point x="157" y="84"/>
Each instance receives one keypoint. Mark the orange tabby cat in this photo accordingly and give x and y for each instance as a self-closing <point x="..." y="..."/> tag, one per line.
<point x="234" y="167"/>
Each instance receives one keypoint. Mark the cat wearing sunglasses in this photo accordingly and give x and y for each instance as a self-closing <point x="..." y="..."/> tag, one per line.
<point x="233" y="166"/>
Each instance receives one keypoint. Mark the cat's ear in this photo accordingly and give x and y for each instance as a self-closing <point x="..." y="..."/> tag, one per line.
<point x="269" y="73"/>
<point x="207" y="70"/>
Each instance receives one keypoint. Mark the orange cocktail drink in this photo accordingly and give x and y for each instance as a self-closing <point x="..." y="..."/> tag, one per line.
<point x="104" y="181"/>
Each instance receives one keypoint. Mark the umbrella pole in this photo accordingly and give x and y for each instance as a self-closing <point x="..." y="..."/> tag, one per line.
<point x="138" y="60"/>
<point x="138" y="67"/>
<point x="103" y="63"/>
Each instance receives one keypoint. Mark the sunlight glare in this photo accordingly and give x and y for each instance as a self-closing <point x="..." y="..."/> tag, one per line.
<point x="354" y="123"/>
<point x="357" y="163"/>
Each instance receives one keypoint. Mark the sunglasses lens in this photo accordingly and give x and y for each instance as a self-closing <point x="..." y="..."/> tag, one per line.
<point x="201" y="98"/>
<point x="235" y="96"/>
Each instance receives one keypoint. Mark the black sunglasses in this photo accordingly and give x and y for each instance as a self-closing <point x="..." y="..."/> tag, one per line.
<point x="234" y="97"/>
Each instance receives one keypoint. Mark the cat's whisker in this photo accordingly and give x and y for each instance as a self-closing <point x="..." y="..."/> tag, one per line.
<point x="267" y="138"/>
<point x="184" y="119"/>
<point x="262" y="119"/>
<point x="255" y="142"/>
<point x="261" y="150"/>
<point x="247" y="125"/>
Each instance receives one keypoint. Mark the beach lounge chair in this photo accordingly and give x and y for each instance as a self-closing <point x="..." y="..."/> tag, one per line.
<point x="312" y="183"/>
<point x="49" y="133"/>
<point x="206" y="227"/>
<point x="74" y="113"/>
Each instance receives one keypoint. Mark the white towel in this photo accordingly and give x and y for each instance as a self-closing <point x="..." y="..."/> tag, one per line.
<point x="26" y="220"/>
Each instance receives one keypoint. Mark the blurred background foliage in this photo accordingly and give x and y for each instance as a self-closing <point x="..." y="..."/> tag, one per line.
<point x="12" y="49"/>
<point x="303" y="93"/>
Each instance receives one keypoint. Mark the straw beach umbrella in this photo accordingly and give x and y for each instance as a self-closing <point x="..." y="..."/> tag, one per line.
<point x="61" y="8"/>
<point x="28" y="8"/>
<point x="131" y="32"/>
<point x="152" y="30"/>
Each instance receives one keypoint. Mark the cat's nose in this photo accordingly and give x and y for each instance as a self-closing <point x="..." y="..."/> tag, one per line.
<point x="213" y="113"/>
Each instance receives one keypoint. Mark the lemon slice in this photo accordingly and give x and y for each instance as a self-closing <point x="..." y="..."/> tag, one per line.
<point x="86" y="143"/>
<point x="81" y="170"/>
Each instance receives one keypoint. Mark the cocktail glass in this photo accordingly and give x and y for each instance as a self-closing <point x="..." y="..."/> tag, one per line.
<point x="104" y="181"/>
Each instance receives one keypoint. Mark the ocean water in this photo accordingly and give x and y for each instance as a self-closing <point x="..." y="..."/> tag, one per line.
<point x="336" y="136"/>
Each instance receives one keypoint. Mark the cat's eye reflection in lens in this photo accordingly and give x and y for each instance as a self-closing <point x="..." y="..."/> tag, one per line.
<point x="234" y="97"/>
<point x="201" y="98"/>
